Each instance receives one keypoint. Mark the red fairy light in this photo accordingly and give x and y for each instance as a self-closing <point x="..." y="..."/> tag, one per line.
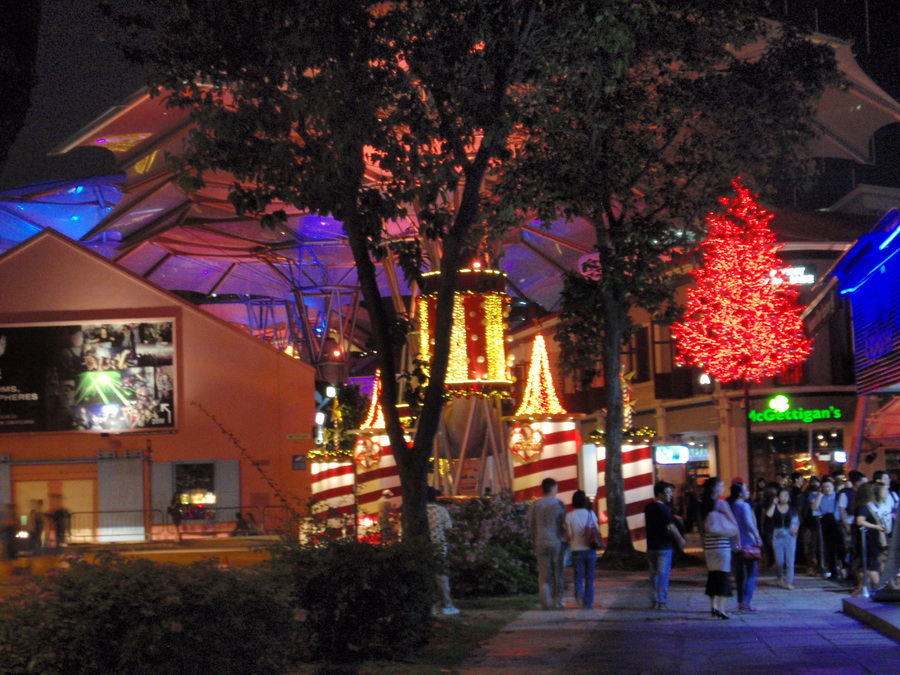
<point x="742" y="320"/>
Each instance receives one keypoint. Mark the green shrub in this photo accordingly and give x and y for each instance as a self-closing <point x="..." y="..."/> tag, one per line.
<point x="490" y="549"/>
<point x="360" y="601"/>
<point x="140" y="617"/>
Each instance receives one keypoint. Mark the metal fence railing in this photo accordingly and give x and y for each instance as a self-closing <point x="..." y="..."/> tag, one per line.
<point x="99" y="527"/>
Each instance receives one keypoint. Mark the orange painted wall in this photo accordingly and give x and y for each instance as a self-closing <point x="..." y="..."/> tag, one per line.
<point x="259" y="394"/>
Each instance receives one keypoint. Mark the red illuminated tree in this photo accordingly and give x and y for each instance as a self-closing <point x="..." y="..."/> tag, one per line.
<point x="742" y="320"/>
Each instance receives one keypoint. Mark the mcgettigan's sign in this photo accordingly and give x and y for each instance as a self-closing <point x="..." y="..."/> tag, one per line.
<point x="780" y="410"/>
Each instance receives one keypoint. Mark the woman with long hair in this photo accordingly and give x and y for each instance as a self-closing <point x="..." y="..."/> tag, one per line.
<point x="746" y="566"/>
<point x="786" y="523"/>
<point x="716" y="547"/>
<point x="584" y="558"/>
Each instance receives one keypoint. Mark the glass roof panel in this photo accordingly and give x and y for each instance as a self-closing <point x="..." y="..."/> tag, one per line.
<point x="255" y="279"/>
<point x="190" y="274"/>
<point x="143" y="258"/>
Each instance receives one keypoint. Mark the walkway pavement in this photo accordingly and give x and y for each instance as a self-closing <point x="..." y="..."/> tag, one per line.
<point x="800" y="632"/>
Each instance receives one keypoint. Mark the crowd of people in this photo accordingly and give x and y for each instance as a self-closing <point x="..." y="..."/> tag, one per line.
<point x="837" y="527"/>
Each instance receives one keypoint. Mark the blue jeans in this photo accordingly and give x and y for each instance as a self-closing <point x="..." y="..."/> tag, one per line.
<point x="785" y="545"/>
<point x="745" y="575"/>
<point x="584" y="563"/>
<point x="660" y="567"/>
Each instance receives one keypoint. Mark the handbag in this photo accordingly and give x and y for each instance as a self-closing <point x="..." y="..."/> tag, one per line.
<point x="592" y="536"/>
<point x="751" y="553"/>
<point x="717" y="524"/>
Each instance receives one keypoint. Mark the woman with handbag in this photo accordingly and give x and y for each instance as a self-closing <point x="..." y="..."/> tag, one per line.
<point x="719" y="529"/>
<point x="746" y="562"/>
<point x="786" y="523"/>
<point x="583" y="533"/>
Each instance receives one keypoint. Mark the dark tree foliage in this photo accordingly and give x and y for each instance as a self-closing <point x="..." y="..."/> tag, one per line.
<point x="708" y="91"/>
<point x="366" y="110"/>
<point x="19" y="30"/>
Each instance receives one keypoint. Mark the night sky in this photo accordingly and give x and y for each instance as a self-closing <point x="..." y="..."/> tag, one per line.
<point x="80" y="76"/>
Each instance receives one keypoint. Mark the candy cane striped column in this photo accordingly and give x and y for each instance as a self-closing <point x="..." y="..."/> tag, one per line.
<point x="637" y="470"/>
<point x="380" y="476"/>
<point x="332" y="484"/>
<point x="558" y="460"/>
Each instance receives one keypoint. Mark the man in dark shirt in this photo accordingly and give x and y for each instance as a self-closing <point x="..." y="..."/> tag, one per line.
<point x="662" y="534"/>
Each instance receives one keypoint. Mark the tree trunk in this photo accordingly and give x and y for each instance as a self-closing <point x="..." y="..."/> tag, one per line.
<point x="412" y="462"/>
<point x="619" y="534"/>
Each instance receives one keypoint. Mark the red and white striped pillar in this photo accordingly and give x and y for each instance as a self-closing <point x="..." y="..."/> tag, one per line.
<point x="332" y="485"/>
<point x="376" y="471"/>
<point x="545" y="449"/>
<point x="637" y="470"/>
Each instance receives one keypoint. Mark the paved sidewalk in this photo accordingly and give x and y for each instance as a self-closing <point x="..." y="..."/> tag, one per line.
<point x="802" y="631"/>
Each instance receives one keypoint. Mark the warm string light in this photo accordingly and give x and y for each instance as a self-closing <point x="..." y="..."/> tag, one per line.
<point x="375" y="416"/>
<point x="627" y="402"/>
<point x="329" y="452"/>
<point x="424" y="333"/>
<point x="495" y="336"/>
<point x="458" y="366"/>
<point x="477" y="338"/>
<point x="742" y="319"/>
<point x="540" y="394"/>
<point x="636" y="435"/>
<point x="481" y="392"/>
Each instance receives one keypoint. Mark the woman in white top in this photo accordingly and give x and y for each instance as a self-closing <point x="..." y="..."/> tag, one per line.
<point x="584" y="558"/>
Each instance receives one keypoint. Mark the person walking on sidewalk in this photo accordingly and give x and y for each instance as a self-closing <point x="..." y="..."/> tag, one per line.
<point x="716" y="545"/>
<point x="584" y="558"/>
<point x="546" y="526"/>
<point x="746" y="562"/>
<point x="784" y="537"/>
<point x="662" y="535"/>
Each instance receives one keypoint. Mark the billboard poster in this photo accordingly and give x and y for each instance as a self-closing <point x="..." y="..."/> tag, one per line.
<point x="94" y="377"/>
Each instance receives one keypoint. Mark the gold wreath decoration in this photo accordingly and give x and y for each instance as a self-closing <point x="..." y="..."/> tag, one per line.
<point x="368" y="453"/>
<point x="527" y="443"/>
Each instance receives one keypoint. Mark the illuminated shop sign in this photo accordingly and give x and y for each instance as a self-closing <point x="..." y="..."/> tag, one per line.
<point x="797" y="276"/>
<point x="780" y="410"/>
<point x="99" y="377"/>
<point x="800" y="276"/>
<point x="671" y="454"/>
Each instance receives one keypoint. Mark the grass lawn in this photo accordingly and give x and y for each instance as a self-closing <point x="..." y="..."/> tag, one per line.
<point x="454" y="638"/>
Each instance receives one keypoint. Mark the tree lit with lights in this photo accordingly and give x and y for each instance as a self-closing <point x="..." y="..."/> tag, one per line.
<point x="742" y="320"/>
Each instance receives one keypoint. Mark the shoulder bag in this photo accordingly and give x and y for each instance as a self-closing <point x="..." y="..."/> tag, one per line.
<point x="592" y="536"/>
<point x="717" y="524"/>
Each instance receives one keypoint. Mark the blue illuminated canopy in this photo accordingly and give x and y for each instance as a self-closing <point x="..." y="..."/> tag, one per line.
<point x="870" y="255"/>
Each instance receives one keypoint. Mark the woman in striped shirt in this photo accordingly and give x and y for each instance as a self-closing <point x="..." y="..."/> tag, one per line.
<point x="716" y="548"/>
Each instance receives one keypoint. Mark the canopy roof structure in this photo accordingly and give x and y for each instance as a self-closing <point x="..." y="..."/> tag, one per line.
<point x="296" y="285"/>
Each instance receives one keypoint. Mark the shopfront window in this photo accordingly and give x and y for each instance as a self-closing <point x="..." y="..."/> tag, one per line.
<point x="809" y="451"/>
<point x="196" y="489"/>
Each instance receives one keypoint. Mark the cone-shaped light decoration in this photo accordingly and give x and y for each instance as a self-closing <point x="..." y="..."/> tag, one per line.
<point x="540" y="394"/>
